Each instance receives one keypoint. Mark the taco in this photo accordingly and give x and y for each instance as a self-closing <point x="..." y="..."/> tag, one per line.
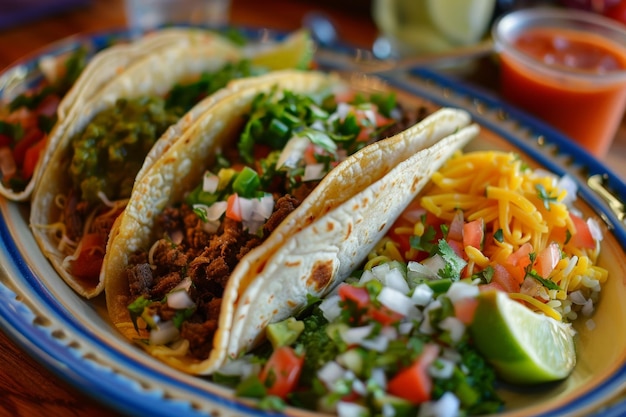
<point x="33" y="121"/>
<point x="258" y="169"/>
<point x="126" y="125"/>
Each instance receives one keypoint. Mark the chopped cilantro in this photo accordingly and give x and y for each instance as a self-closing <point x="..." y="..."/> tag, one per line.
<point x="545" y="196"/>
<point x="454" y="263"/>
<point x="425" y="241"/>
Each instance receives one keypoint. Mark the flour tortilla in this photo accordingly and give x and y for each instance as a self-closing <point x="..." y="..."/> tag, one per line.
<point x="316" y="259"/>
<point x="102" y="68"/>
<point x="180" y="168"/>
<point x="149" y="75"/>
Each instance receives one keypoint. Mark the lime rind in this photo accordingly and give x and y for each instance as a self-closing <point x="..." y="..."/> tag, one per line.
<point x="523" y="346"/>
<point x="294" y="52"/>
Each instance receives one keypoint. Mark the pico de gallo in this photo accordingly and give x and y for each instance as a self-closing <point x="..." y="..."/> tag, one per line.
<point x="394" y="338"/>
<point x="288" y="143"/>
<point x="27" y="120"/>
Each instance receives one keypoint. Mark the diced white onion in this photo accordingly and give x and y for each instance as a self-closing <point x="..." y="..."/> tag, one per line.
<point x="391" y="277"/>
<point x="349" y="409"/>
<point x="459" y="290"/>
<point x="177" y="236"/>
<point x="454" y="326"/>
<point x="379" y="378"/>
<point x="343" y="109"/>
<point x="395" y="301"/>
<point x="405" y="327"/>
<point x="446" y="406"/>
<point x="330" y="373"/>
<point x="180" y="300"/>
<point x="434" y="263"/>
<point x="577" y="297"/>
<point x="314" y="172"/>
<point x="360" y="336"/>
<point x="568" y="184"/>
<point x="213" y="212"/>
<point x="293" y="152"/>
<point x="587" y="309"/>
<point x="422" y="295"/>
<point x="415" y="272"/>
<point x="210" y="182"/>
<point x="366" y="276"/>
<point x="426" y="327"/>
<point x="594" y="229"/>
<point x="330" y="307"/>
<point x="359" y="387"/>
<point x="355" y="335"/>
<point x="441" y="368"/>
<point x="164" y="333"/>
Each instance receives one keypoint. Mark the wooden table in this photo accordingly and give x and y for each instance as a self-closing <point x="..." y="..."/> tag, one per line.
<point x="26" y="387"/>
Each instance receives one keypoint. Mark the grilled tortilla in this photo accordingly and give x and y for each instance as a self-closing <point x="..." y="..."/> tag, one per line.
<point x="336" y="223"/>
<point x="101" y="69"/>
<point x="113" y="139"/>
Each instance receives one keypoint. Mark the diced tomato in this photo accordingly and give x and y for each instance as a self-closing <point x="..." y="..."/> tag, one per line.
<point x="474" y="233"/>
<point x="31" y="158"/>
<point x="233" y="208"/>
<point x="491" y="286"/>
<point x="413" y="383"/>
<point x="358" y="295"/>
<point x="547" y="259"/>
<point x="521" y="257"/>
<point x="582" y="238"/>
<point x="30" y="138"/>
<point x="505" y="279"/>
<point x="5" y="140"/>
<point x="518" y="261"/>
<point x="457" y="247"/>
<point x="282" y="371"/>
<point x="455" y="231"/>
<point x="465" y="308"/>
<point x="384" y="315"/>
<point x="345" y="96"/>
<point x="309" y="155"/>
<point x="89" y="261"/>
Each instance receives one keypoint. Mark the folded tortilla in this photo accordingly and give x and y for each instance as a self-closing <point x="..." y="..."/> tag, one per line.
<point x="153" y="74"/>
<point x="317" y="244"/>
<point x="101" y="69"/>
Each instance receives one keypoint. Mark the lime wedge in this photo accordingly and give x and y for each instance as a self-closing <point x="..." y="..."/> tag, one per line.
<point x="295" y="51"/>
<point x="523" y="346"/>
<point x="461" y="21"/>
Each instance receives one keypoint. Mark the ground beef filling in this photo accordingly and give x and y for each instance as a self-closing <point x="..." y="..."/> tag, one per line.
<point x="208" y="259"/>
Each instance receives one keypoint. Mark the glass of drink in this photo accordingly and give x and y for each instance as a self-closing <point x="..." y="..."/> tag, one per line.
<point x="146" y="15"/>
<point x="568" y="67"/>
<point x="412" y="27"/>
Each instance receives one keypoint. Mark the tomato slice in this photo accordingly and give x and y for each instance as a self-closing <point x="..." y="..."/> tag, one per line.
<point x="384" y="315"/>
<point x="87" y="265"/>
<point x="413" y="383"/>
<point x="474" y="233"/>
<point x="547" y="259"/>
<point x="582" y="237"/>
<point x="31" y="158"/>
<point x="233" y="208"/>
<point x="358" y="295"/>
<point x="30" y="138"/>
<point x="282" y="371"/>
